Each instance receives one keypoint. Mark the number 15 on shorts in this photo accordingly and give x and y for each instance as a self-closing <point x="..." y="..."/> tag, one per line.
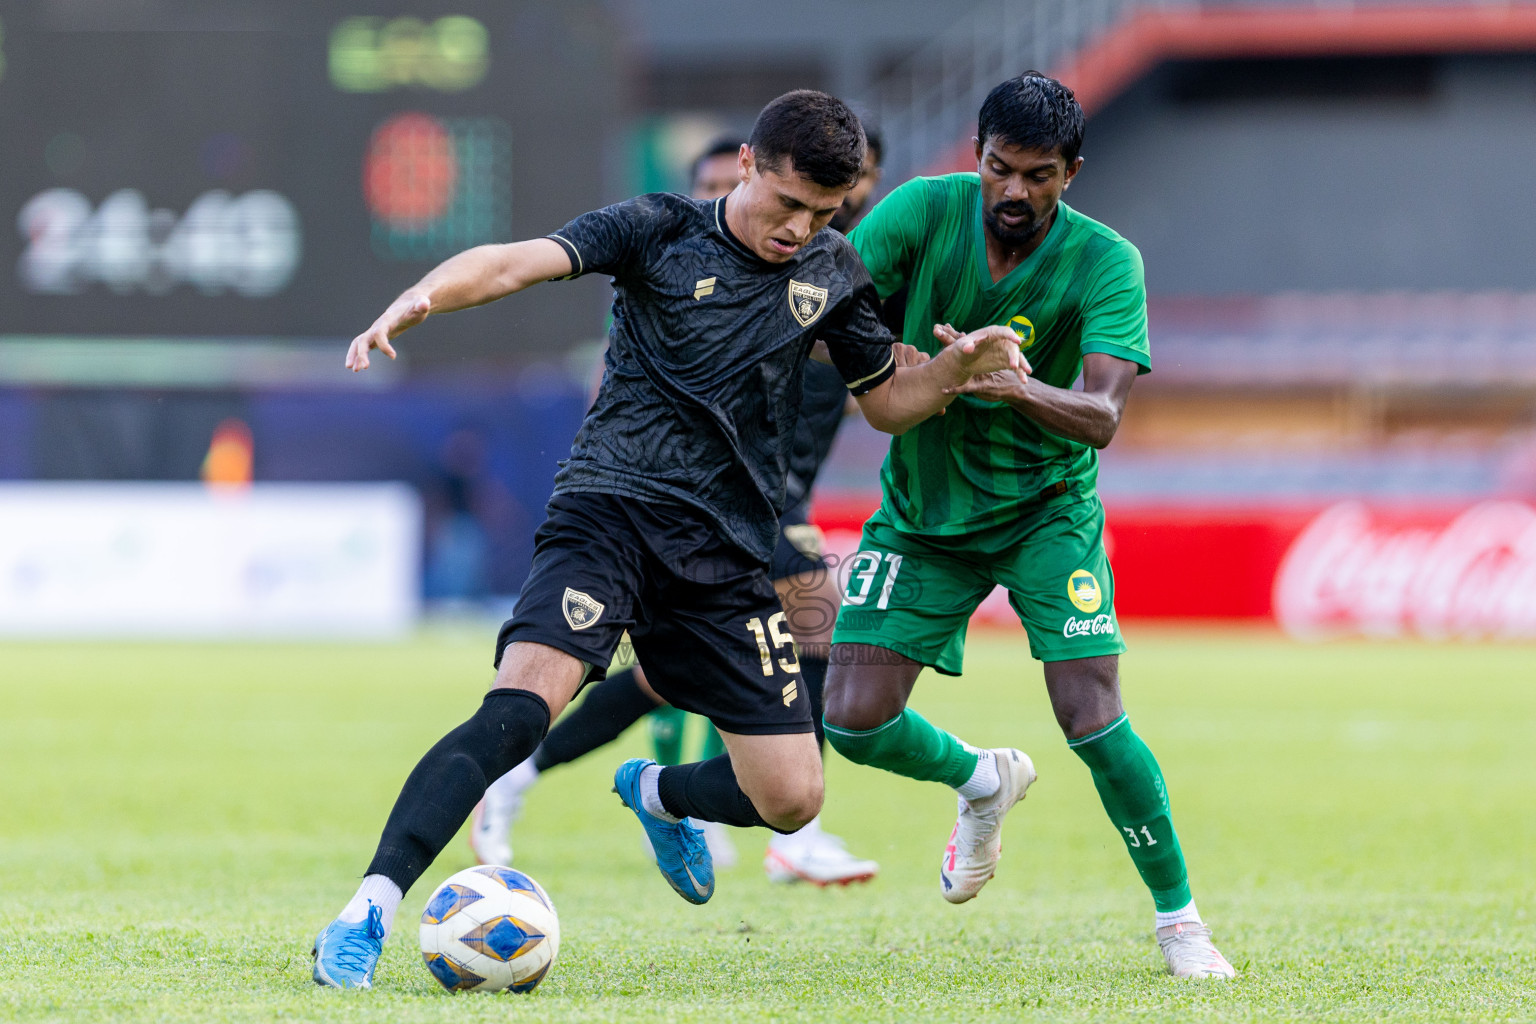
<point x="781" y="640"/>
<point x="863" y="569"/>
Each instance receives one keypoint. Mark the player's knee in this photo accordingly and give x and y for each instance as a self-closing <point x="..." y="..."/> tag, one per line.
<point x="552" y="675"/>
<point x="1085" y="695"/>
<point x="502" y="732"/>
<point x="840" y="697"/>
<point x="790" y="804"/>
<point x="855" y="703"/>
<point x="1074" y="725"/>
<point x="1085" y="713"/>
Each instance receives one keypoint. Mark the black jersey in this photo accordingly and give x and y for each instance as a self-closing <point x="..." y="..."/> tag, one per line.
<point x="822" y="403"/>
<point x="702" y="381"/>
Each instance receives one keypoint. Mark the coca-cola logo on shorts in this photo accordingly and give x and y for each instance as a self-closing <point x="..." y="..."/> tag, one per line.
<point x="1088" y="627"/>
<point x="1470" y="576"/>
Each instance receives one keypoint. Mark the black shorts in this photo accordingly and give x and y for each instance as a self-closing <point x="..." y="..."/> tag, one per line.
<point x="703" y="615"/>
<point x="799" y="548"/>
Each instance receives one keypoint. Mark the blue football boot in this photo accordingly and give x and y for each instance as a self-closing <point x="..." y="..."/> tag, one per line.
<point x="681" y="852"/>
<point x="347" y="951"/>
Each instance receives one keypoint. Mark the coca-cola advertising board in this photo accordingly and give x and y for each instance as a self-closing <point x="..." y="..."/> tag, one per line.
<point x="1356" y="570"/>
<point x="1434" y="571"/>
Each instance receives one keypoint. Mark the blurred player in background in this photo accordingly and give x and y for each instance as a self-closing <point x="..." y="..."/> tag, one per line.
<point x="1001" y="491"/>
<point x="800" y="575"/>
<point x="714" y="172"/>
<point x="852" y="209"/>
<point x="664" y="518"/>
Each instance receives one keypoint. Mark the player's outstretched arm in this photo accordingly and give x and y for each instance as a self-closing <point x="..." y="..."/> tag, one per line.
<point x="472" y="278"/>
<point x="916" y="392"/>
<point x="1090" y="416"/>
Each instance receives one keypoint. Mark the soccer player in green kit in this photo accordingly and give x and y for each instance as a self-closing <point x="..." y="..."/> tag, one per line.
<point x="1001" y="490"/>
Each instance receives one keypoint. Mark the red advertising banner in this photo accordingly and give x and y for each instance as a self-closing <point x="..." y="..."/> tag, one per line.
<point x="1211" y="563"/>
<point x="1426" y="570"/>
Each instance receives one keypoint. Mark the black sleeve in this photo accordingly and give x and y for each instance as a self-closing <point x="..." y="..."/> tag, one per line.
<point x="859" y="343"/>
<point x="607" y="241"/>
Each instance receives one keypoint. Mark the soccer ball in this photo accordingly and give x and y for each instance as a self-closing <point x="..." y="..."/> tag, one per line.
<point x="487" y="929"/>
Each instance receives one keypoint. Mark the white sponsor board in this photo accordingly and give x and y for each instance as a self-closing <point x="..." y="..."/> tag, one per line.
<point x="183" y="560"/>
<point x="1470" y="577"/>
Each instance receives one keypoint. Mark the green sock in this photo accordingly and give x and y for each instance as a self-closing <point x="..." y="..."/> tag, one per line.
<point x="713" y="746"/>
<point x="908" y="745"/>
<point x="1131" y="786"/>
<point x="667" y="734"/>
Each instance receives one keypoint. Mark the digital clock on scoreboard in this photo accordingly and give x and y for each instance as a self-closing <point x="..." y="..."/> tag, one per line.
<point x="280" y="170"/>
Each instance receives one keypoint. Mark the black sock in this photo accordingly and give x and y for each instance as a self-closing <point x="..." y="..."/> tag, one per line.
<point x="815" y="672"/>
<point x="446" y="783"/>
<point x="708" y="791"/>
<point x="609" y="708"/>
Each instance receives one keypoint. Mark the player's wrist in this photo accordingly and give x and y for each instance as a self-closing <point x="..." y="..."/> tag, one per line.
<point x="1019" y="396"/>
<point x="955" y="366"/>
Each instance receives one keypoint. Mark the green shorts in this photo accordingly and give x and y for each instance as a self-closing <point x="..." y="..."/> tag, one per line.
<point x="914" y="593"/>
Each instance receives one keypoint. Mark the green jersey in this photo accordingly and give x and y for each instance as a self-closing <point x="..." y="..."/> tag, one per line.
<point x="1081" y="291"/>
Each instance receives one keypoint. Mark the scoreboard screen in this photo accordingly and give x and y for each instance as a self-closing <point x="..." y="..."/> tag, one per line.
<point x="281" y="169"/>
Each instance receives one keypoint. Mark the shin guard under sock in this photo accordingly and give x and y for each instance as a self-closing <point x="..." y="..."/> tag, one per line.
<point x="609" y="708"/>
<point x="447" y="782"/>
<point x="908" y="745"/>
<point x="1130" y="784"/>
<point x="708" y="791"/>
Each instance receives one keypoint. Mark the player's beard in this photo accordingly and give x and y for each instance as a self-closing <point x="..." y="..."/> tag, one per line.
<point x="1012" y="237"/>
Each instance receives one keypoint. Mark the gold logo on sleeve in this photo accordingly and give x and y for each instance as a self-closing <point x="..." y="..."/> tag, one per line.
<point x="581" y="610"/>
<point x="704" y="286"/>
<point x="806" y="302"/>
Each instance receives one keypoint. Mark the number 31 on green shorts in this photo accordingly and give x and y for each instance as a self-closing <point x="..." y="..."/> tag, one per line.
<point x="915" y="593"/>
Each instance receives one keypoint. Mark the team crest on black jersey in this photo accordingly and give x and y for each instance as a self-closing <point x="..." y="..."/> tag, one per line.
<point x="580" y="610"/>
<point x="806" y="301"/>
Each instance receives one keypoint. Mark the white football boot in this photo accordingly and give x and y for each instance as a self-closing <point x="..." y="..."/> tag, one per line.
<point x="490" y="832"/>
<point x="977" y="840"/>
<point x="811" y="855"/>
<point x="1190" y="953"/>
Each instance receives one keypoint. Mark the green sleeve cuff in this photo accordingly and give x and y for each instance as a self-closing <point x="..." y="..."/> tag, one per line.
<point x="1109" y="348"/>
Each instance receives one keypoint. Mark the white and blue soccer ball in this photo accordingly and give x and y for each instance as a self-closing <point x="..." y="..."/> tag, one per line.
<point x="489" y="929"/>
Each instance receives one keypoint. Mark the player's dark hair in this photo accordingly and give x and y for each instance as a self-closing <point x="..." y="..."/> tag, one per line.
<point x="725" y="145"/>
<point x="1033" y="112"/>
<point x="819" y="135"/>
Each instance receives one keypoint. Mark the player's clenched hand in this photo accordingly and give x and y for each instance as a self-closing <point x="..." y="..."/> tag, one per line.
<point x="405" y="312"/>
<point x="983" y="351"/>
<point x="995" y="385"/>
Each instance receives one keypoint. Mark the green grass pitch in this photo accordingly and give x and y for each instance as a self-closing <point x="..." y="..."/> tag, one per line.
<point x="177" y="821"/>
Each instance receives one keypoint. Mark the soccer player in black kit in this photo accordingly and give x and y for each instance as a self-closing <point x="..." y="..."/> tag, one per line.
<point x="805" y="584"/>
<point x="665" y="515"/>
